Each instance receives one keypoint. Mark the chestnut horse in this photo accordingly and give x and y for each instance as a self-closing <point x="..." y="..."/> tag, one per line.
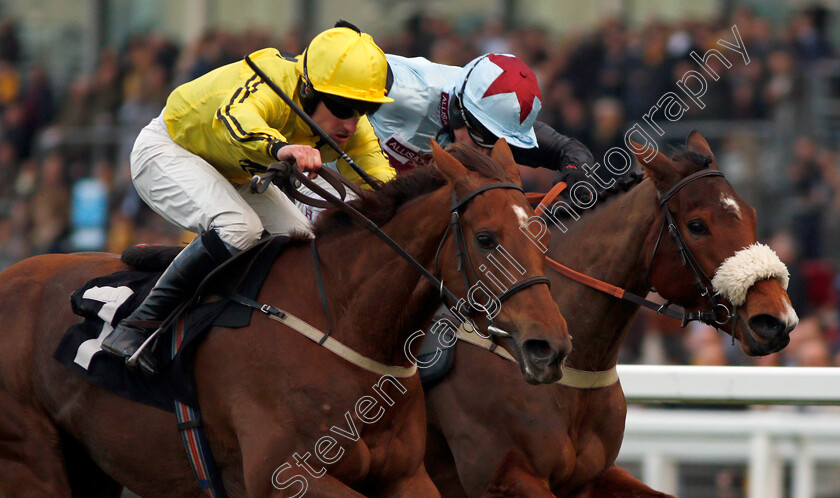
<point x="560" y="440"/>
<point x="268" y="395"/>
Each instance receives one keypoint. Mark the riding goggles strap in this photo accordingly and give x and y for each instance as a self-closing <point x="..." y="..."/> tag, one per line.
<point x="478" y="133"/>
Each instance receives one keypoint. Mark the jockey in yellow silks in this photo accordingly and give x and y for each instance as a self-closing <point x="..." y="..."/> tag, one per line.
<point x="192" y="163"/>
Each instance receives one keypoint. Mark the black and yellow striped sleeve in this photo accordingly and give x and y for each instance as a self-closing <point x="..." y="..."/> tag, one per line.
<point x="245" y="115"/>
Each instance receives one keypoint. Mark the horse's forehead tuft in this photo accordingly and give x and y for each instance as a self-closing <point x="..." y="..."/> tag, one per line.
<point x="730" y="205"/>
<point x="520" y="213"/>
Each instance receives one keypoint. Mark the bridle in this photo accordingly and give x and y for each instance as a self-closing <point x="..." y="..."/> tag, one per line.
<point x="718" y="314"/>
<point x="283" y="173"/>
<point x="465" y="266"/>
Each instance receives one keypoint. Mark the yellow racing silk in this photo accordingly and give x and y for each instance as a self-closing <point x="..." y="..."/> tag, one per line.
<point x="233" y="120"/>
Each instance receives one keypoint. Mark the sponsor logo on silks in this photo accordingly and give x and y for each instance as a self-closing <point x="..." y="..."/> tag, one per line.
<point x="444" y="109"/>
<point x="402" y="154"/>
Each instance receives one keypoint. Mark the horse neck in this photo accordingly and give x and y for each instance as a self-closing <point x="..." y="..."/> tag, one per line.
<point x="372" y="290"/>
<point x="609" y="244"/>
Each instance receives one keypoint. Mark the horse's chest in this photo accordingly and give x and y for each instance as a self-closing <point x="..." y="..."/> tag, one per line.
<point x="594" y="431"/>
<point x="367" y="431"/>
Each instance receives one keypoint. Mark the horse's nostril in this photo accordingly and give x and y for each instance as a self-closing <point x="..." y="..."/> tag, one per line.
<point x="539" y="351"/>
<point x="767" y="326"/>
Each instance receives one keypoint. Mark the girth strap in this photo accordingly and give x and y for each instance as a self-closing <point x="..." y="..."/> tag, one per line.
<point x="324" y="340"/>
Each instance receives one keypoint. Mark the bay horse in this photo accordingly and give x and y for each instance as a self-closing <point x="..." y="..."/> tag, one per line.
<point x="563" y="441"/>
<point x="267" y="393"/>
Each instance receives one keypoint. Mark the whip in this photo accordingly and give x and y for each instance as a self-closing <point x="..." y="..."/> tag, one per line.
<point x="373" y="182"/>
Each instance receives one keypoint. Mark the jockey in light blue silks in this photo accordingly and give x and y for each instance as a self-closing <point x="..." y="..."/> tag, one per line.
<point x="494" y="96"/>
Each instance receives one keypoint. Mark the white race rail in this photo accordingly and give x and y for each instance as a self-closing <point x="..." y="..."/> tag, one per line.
<point x="739" y="385"/>
<point x="763" y="439"/>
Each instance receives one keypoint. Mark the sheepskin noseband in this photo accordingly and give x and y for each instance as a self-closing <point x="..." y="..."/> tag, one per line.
<point x="740" y="271"/>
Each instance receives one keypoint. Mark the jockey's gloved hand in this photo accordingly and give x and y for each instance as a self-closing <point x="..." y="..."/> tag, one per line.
<point x="571" y="174"/>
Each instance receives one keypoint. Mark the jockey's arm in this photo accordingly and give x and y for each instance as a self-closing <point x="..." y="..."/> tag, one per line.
<point x="246" y="127"/>
<point x="554" y="150"/>
<point x="253" y="118"/>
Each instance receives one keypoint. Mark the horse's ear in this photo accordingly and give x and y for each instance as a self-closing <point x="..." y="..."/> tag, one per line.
<point x="696" y="143"/>
<point x="447" y="165"/>
<point x="658" y="168"/>
<point x="504" y="156"/>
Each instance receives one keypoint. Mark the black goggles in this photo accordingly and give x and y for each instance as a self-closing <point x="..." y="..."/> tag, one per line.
<point x="344" y="108"/>
<point x="478" y="132"/>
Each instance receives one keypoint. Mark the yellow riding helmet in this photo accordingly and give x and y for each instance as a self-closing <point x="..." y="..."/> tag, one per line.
<point x="347" y="63"/>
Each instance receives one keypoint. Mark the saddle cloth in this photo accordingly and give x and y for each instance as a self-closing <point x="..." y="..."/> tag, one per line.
<point x="105" y="300"/>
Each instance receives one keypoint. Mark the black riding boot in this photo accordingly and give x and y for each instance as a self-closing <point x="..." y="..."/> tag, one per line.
<point x="178" y="282"/>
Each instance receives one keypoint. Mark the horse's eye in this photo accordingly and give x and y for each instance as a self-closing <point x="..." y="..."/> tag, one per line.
<point x="486" y="240"/>
<point x="697" y="227"/>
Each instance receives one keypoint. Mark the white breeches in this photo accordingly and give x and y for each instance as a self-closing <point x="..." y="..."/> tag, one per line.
<point x="188" y="192"/>
<point x="310" y="212"/>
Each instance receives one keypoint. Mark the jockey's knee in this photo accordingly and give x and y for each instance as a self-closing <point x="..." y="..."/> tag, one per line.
<point x="241" y="236"/>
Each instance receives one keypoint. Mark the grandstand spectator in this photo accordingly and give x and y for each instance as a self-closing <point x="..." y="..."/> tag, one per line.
<point x="810" y="196"/>
<point x="50" y="202"/>
<point x="10" y="49"/>
<point x="9" y="83"/>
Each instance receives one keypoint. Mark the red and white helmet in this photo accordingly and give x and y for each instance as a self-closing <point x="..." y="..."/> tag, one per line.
<point x="497" y="96"/>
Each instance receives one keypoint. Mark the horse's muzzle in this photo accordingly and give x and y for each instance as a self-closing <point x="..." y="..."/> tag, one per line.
<point x="541" y="361"/>
<point x="767" y="334"/>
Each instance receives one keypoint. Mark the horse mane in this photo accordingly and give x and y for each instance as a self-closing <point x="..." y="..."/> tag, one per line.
<point x="381" y="205"/>
<point x="687" y="162"/>
<point x="622" y="185"/>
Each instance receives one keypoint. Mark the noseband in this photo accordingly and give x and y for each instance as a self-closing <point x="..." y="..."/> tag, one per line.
<point x="718" y="314"/>
<point x="465" y="266"/>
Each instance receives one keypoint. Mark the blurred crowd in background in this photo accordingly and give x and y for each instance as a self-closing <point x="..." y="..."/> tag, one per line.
<point x="64" y="150"/>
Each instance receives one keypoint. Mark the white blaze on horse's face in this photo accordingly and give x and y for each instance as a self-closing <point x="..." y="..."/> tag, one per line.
<point x="731" y="205"/>
<point x="521" y="214"/>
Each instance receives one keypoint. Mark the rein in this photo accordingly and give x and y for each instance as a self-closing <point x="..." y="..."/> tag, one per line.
<point x="281" y="173"/>
<point x="373" y="182"/>
<point x="709" y="316"/>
